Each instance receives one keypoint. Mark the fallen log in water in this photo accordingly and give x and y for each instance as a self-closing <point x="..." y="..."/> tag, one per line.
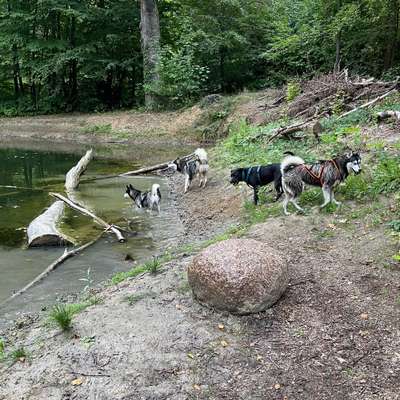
<point x="67" y="254"/>
<point x="73" y="175"/>
<point x="43" y="229"/>
<point x="146" y="169"/>
<point x="84" y="211"/>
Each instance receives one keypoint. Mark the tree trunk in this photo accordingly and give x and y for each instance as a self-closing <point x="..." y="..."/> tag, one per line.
<point x="42" y="231"/>
<point x="73" y="68"/>
<point x="150" y="36"/>
<point x="393" y="33"/>
<point x="336" y="68"/>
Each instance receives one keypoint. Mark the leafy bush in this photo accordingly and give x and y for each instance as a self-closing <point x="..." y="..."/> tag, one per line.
<point x="182" y="79"/>
<point x="293" y="90"/>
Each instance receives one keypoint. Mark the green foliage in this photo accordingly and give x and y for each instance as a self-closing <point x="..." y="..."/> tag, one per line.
<point x="2" y="348"/>
<point x="246" y="145"/>
<point x="182" y="80"/>
<point x="395" y="225"/>
<point x="293" y="90"/>
<point x="61" y="315"/>
<point x="60" y="56"/>
<point x="17" y="354"/>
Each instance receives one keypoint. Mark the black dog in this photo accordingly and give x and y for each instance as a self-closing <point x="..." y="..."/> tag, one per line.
<point x="259" y="176"/>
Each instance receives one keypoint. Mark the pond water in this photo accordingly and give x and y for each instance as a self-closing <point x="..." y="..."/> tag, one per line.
<point x="28" y="172"/>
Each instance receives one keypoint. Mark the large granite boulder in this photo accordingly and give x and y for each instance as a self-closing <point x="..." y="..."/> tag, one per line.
<point x="241" y="276"/>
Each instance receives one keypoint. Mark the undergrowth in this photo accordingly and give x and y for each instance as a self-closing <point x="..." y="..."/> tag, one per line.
<point x="248" y="145"/>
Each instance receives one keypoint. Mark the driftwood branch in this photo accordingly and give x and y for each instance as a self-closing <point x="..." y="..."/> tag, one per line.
<point x="84" y="211"/>
<point x="73" y="175"/>
<point x="43" y="229"/>
<point x="146" y="169"/>
<point x="369" y="104"/>
<point x="67" y="254"/>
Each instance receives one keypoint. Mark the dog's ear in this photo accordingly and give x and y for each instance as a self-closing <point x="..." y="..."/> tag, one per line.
<point x="288" y="153"/>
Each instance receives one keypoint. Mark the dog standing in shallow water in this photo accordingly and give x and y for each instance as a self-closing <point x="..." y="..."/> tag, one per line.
<point x="191" y="168"/>
<point x="256" y="177"/>
<point x="326" y="173"/>
<point x="147" y="200"/>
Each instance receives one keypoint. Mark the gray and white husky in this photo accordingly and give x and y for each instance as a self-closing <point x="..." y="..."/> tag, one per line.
<point x="149" y="200"/>
<point x="193" y="167"/>
<point x="325" y="173"/>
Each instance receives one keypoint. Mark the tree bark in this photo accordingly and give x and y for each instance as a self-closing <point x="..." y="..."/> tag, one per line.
<point x="392" y="41"/>
<point x="336" y="68"/>
<point x="73" y="175"/>
<point x="150" y="36"/>
<point x="42" y="231"/>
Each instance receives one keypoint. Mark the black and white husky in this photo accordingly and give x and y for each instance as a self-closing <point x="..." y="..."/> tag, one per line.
<point x="193" y="167"/>
<point x="325" y="173"/>
<point x="148" y="200"/>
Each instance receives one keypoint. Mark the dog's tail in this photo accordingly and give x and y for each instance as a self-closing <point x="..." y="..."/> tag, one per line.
<point x="155" y="190"/>
<point x="290" y="162"/>
<point x="201" y="155"/>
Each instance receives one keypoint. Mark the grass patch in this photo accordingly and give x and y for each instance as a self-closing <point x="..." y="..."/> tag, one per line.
<point x="2" y="349"/>
<point x="153" y="265"/>
<point x="101" y="129"/>
<point x="17" y="354"/>
<point x="134" y="298"/>
<point x="61" y="314"/>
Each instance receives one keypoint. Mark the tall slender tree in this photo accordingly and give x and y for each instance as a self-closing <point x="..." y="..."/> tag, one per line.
<point x="150" y="36"/>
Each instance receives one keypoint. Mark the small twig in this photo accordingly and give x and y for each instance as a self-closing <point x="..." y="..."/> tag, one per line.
<point x="91" y="375"/>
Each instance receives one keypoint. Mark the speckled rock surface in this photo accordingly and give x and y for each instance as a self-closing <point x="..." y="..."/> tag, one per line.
<point x="241" y="276"/>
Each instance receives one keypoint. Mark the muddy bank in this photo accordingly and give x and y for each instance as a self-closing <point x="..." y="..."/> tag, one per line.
<point x="116" y="127"/>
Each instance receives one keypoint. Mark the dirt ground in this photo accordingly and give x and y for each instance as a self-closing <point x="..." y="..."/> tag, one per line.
<point x="333" y="335"/>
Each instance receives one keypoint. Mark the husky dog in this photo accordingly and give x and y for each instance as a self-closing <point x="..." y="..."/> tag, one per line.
<point x="325" y="173"/>
<point x="198" y="166"/>
<point x="259" y="176"/>
<point x="148" y="200"/>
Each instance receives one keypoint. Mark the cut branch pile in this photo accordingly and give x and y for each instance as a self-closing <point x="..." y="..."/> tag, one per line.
<point x="325" y="93"/>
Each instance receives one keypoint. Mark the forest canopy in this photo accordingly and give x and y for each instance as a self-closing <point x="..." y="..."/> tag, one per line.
<point x="86" y="55"/>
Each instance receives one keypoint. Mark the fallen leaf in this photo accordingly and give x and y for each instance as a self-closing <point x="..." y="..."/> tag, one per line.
<point x="364" y="316"/>
<point x="277" y="386"/>
<point x="178" y="306"/>
<point x="77" y="382"/>
<point x="197" y="387"/>
<point x="21" y="359"/>
<point x="221" y="327"/>
<point x="224" y="343"/>
<point x="190" y="355"/>
<point x="259" y="358"/>
<point x="332" y="226"/>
